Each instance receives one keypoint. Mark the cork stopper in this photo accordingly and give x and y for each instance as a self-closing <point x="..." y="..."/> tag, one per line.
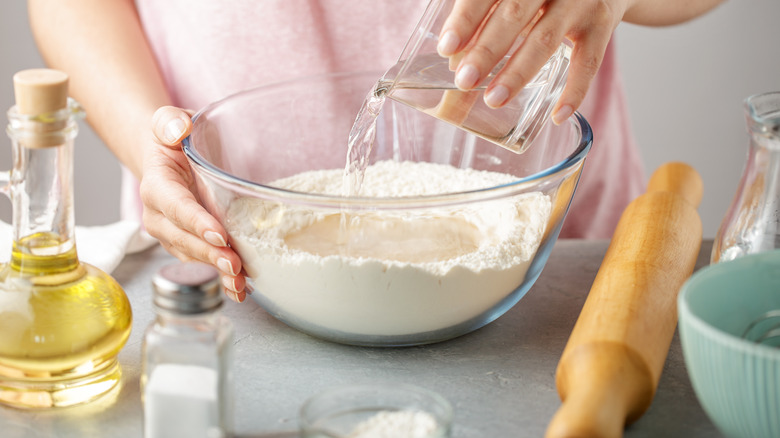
<point x="40" y="91"/>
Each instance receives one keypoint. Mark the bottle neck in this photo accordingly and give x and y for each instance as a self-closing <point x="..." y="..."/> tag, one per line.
<point x="762" y="113"/>
<point x="41" y="191"/>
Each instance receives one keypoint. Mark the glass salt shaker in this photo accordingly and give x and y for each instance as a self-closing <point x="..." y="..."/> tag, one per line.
<point x="186" y="383"/>
<point x="752" y="223"/>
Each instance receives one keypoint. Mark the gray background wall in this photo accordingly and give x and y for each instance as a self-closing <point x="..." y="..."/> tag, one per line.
<point x="685" y="86"/>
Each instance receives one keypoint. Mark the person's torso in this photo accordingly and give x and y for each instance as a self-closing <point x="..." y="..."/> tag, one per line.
<point x="208" y="49"/>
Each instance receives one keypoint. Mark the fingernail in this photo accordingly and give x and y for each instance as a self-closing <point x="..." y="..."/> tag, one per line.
<point x="562" y="114"/>
<point x="448" y="43"/>
<point x="225" y="266"/>
<point x="230" y="289"/>
<point x="467" y="77"/>
<point x="174" y="130"/>
<point x="232" y="295"/>
<point x="230" y="284"/>
<point x="214" y="238"/>
<point x="496" y="96"/>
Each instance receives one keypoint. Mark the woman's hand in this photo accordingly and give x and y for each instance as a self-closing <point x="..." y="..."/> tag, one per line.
<point x="172" y="212"/>
<point x="487" y="29"/>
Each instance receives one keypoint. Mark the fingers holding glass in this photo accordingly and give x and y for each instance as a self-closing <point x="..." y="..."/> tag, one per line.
<point x="526" y="34"/>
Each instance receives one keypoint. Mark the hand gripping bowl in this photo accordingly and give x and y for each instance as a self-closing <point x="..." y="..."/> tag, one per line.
<point x="446" y="234"/>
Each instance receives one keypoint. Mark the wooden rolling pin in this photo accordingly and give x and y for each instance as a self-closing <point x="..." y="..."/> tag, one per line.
<point x="609" y="370"/>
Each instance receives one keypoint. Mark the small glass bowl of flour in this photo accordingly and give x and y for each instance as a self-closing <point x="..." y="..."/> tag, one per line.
<point x="395" y="229"/>
<point x="376" y="411"/>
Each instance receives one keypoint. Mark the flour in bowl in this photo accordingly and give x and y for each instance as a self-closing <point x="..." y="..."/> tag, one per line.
<point x="389" y="272"/>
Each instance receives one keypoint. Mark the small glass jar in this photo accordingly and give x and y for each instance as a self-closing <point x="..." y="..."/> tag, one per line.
<point x="186" y="382"/>
<point x="376" y="410"/>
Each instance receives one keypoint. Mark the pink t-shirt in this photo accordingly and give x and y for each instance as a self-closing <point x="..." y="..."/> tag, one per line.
<point x="209" y="49"/>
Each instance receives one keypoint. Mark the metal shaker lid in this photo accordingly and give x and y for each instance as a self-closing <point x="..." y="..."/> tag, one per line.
<point x="187" y="288"/>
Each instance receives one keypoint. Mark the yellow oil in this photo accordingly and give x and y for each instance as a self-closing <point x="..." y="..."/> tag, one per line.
<point x="62" y="324"/>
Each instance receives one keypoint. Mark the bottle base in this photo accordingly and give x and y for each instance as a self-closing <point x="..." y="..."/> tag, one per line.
<point x="50" y="392"/>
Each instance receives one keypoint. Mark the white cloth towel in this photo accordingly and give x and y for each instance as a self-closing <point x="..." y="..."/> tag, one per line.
<point x="102" y="246"/>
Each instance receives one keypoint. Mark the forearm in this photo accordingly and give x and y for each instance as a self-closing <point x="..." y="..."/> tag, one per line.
<point x="113" y="74"/>
<point x="667" y="12"/>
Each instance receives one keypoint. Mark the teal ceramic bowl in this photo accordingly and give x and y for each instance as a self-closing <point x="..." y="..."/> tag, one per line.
<point x="736" y="380"/>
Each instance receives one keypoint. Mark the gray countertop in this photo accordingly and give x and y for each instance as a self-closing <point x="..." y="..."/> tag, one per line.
<point x="500" y="379"/>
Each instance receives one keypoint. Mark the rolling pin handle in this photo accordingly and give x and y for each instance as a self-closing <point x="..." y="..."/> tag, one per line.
<point x="678" y="178"/>
<point x="613" y="388"/>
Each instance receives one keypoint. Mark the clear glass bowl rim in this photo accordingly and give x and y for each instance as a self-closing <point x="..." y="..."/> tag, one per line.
<point x="275" y="193"/>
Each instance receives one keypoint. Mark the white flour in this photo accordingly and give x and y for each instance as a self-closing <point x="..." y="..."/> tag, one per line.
<point x="402" y="272"/>
<point x="396" y="424"/>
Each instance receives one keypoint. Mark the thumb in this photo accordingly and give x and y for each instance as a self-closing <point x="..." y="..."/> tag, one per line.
<point x="171" y="124"/>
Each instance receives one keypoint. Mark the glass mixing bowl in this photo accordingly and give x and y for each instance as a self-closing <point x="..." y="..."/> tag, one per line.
<point x="448" y="232"/>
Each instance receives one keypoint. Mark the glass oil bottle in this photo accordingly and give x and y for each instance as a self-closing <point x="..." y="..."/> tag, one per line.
<point x="62" y="322"/>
